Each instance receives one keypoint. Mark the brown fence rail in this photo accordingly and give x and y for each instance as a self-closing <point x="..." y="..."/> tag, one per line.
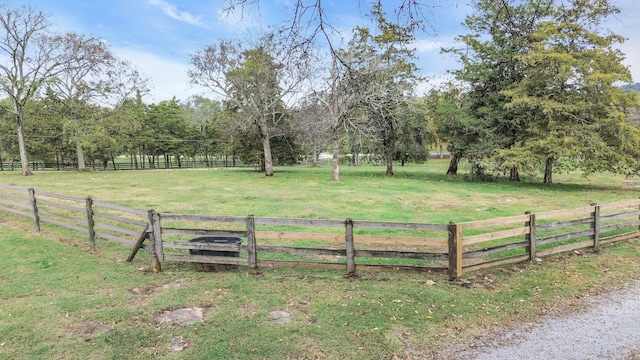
<point x="331" y="244"/>
<point x="303" y="243"/>
<point x="94" y="218"/>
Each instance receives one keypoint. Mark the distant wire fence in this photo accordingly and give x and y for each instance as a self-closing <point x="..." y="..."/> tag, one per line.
<point x="160" y="163"/>
<point x="183" y="164"/>
<point x="351" y="245"/>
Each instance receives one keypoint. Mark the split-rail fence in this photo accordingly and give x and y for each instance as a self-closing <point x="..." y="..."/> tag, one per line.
<point x="454" y="248"/>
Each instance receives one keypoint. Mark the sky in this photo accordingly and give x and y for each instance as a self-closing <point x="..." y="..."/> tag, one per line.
<point x="159" y="36"/>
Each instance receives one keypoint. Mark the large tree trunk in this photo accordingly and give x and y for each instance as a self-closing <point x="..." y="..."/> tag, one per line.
<point x="388" y="159"/>
<point x="548" y="171"/>
<point x="24" y="161"/>
<point x="335" y="118"/>
<point x="453" y="164"/>
<point x="335" y="173"/>
<point x="515" y="175"/>
<point x="268" y="161"/>
<point x="80" y="153"/>
<point x="314" y="155"/>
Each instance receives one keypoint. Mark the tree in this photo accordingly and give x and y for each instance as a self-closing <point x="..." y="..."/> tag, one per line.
<point x="80" y="83"/>
<point x="253" y="83"/>
<point x="200" y="116"/>
<point x="451" y="118"/>
<point x="384" y="78"/>
<point x="311" y="123"/>
<point x="499" y="32"/>
<point x="575" y="113"/>
<point x="31" y="56"/>
<point x="337" y="104"/>
<point x="309" y="27"/>
<point x="169" y="131"/>
<point x="127" y="88"/>
<point x="8" y="145"/>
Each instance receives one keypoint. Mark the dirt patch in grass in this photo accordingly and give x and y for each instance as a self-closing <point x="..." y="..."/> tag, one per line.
<point x="155" y="289"/>
<point x="249" y="309"/>
<point x="185" y="316"/>
<point x="86" y="330"/>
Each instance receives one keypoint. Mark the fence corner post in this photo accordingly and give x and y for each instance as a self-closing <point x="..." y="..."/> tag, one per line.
<point x="350" y="247"/>
<point x="638" y="216"/>
<point x="596" y="226"/>
<point x="91" y="224"/>
<point x="154" y="239"/>
<point x="455" y="251"/>
<point x="34" y="206"/>
<point x="252" y="245"/>
<point x="530" y="237"/>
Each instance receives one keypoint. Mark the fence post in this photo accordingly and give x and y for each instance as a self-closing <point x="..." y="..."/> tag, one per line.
<point x="91" y="224"/>
<point x="455" y="251"/>
<point x="34" y="206"/>
<point x="154" y="239"/>
<point x="251" y="244"/>
<point x="531" y="236"/>
<point x="350" y="247"/>
<point x="596" y="226"/>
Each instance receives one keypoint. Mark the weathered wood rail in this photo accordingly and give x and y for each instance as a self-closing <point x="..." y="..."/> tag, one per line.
<point x="351" y="245"/>
<point x="266" y="247"/>
<point x="116" y="223"/>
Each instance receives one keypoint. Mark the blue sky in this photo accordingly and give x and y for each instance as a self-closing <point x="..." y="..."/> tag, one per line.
<point x="158" y="36"/>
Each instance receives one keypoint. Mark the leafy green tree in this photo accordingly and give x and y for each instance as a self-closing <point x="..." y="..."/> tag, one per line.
<point x="308" y="25"/>
<point x="127" y="88"/>
<point x="31" y="56"/>
<point x="125" y="123"/>
<point x="575" y="115"/>
<point x="253" y="83"/>
<point x="499" y="31"/>
<point x="169" y="130"/>
<point x="311" y="124"/>
<point x="48" y="138"/>
<point x="201" y="116"/>
<point x="79" y="86"/>
<point x="8" y="143"/>
<point x="285" y="149"/>
<point x="385" y="79"/>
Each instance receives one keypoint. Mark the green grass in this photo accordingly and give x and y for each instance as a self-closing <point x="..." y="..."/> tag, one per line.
<point x="417" y="193"/>
<point x="59" y="301"/>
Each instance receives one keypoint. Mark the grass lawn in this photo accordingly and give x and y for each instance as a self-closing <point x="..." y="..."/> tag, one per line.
<point x="59" y="301"/>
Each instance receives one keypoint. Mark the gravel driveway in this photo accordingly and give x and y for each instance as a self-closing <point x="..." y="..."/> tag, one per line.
<point x="609" y="328"/>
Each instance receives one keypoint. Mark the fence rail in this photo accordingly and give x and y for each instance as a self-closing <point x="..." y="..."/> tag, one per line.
<point x="126" y="165"/>
<point x="331" y="244"/>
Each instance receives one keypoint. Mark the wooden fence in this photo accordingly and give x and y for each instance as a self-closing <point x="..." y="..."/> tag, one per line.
<point x="454" y="248"/>
<point x="94" y="218"/>
<point x="161" y="164"/>
<point x="304" y="243"/>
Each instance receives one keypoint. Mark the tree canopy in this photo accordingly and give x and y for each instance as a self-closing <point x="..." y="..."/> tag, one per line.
<point x="541" y="76"/>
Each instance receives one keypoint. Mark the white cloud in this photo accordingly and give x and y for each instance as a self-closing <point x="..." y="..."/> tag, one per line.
<point x="169" y="77"/>
<point x="424" y="45"/>
<point x="172" y="11"/>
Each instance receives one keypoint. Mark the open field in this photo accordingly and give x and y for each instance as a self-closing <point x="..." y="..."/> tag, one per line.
<point x="417" y="193"/>
<point x="58" y="300"/>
